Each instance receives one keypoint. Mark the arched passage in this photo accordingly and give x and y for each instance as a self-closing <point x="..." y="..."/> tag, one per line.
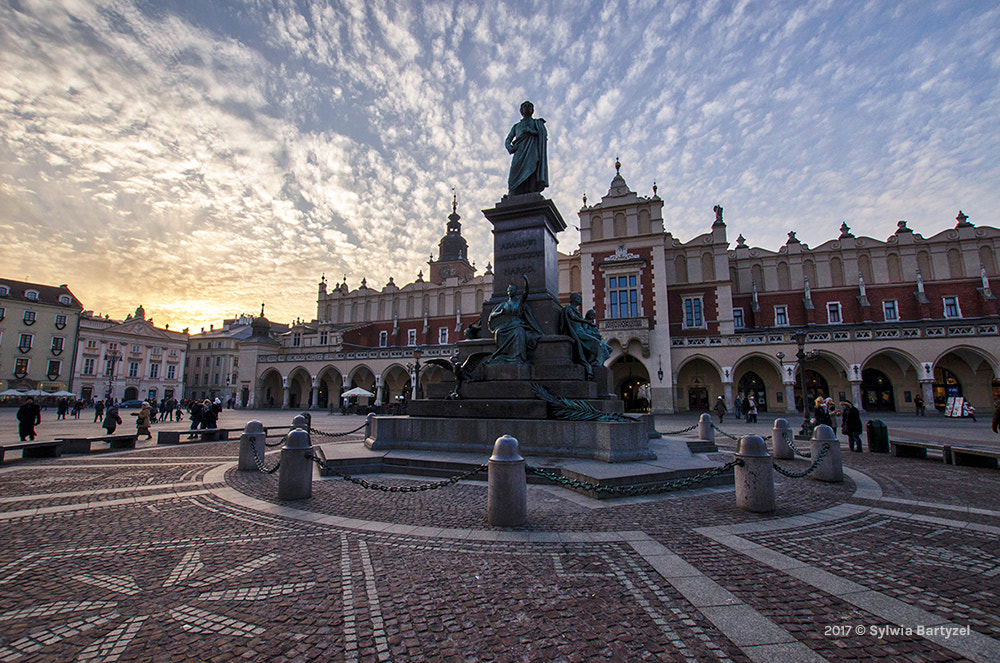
<point x="967" y="372"/>
<point x="888" y="374"/>
<point x="631" y="383"/>
<point x="394" y="380"/>
<point x="699" y="384"/>
<point x="269" y="389"/>
<point x="299" y="389"/>
<point x="329" y="385"/>
<point x="760" y="377"/>
<point x="876" y="391"/>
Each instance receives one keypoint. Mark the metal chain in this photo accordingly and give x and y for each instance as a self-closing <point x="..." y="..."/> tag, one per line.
<point x="736" y="439"/>
<point x="399" y="489"/>
<point x="630" y="491"/>
<point x="791" y="445"/>
<point x="812" y="468"/>
<point x="260" y="462"/>
<point x="276" y="444"/>
<point x="678" y="432"/>
<point x="325" y="434"/>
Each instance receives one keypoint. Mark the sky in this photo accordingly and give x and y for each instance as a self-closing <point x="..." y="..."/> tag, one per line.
<point x="201" y="158"/>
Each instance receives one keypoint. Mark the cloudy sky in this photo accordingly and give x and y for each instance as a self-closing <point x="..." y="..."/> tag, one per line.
<point x="202" y="157"/>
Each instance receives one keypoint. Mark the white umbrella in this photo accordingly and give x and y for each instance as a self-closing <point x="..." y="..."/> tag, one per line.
<point x="357" y="391"/>
<point x="13" y="392"/>
<point x="62" y="393"/>
<point x="35" y="392"/>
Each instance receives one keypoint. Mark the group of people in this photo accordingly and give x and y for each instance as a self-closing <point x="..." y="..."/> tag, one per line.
<point x="826" y="413"/>
<point x="64" y="407"/>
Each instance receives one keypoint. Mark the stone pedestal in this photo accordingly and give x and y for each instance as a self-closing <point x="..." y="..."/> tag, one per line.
<point x="524" y="243"/>
<point x="507" y="504"/>
<point x="754" y="478"/>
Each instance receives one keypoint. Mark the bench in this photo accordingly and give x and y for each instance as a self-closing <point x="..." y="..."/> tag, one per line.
<point x="975" y="456"/>
<point x="918" y="449"/>
<point x="51" y="449"/>
<point x="203" y="435"/>
<point x="82" y="445"/>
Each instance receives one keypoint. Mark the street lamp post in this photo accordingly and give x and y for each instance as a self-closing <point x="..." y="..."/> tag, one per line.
<point x="800" y="341"/>
<point x="111" y="359"/>
<point x="416" y="373"/>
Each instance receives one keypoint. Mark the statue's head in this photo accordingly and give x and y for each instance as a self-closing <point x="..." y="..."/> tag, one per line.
<point x="575" y="299"/>
<point x="591" y="315"/>
<point x="511" y="290"/>
<point x="527" y="108"/>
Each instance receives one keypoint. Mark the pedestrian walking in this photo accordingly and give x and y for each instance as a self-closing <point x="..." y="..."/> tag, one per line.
<point x="720" y="408"/>
<point x="61" y="408"/>
<point x="111" y="420"/>
<point x="196" y="410"/>
<point x="143" y="420"/>
<point x="752" y="410"/>
<point x="918" y="403"/>
<point x="98" y="411"/>
<point x="29" y="415"/>
<point x="969" y="411"/>
<point x="77" y="406"/>
<point x="852" y="425"/>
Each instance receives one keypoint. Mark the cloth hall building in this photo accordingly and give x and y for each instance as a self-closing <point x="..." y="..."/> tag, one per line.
<point x="880" y="321"/>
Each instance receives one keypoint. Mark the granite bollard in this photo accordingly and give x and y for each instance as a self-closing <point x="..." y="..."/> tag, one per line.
<point x="755" y="476"/>
<point x="295" y="473"/>
<point x="508" y="485"/>
<point x="781" y="433"/>
<point x="831" y="469"/>
<point x="706" y="431"/>
<point x="251" y="445"/>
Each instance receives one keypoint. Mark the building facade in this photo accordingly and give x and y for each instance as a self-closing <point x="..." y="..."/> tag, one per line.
<point x="212" y="364"/>
<point x="129" y="359"/>
<point x="880" y="321"/>
<point x="38" y="330"/>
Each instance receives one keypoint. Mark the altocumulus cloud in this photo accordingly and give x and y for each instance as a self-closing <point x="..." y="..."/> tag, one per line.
<point x="199" y="157"/>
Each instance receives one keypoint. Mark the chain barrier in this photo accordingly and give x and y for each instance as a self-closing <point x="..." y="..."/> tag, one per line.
<point x="812" y="468"/>
<point x="398" y="489"/>
<point x="791" y="445"/>
<point x="276" y="444"/>
<point x="260" y="461"/>
<point x="678" y="432"/>
<point x="631" y="491"/>
<point x="325" y="434"/>
<point x="734" y="438"/>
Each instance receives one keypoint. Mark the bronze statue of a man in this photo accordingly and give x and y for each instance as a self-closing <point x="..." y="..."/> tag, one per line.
<point x="529" y="169"/>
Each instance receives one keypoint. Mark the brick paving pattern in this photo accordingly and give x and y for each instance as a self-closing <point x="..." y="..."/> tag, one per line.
<point x="169" y="554"/>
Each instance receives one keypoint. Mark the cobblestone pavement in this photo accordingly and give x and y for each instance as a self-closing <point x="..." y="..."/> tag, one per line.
<point x="170" y="554"/>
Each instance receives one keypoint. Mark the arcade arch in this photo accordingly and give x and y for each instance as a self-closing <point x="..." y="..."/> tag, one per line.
<point x="329" y="386"/>
<point x="760" y="376"/>
<point x="269" y="389"/>
<point x="699" y="384"/>
<point x="967" y="372"/>
<point x="299" y="389"/>
<point x="631" y="382"/>
<point x="889" y="380"/>
<point x="394" y="381"/>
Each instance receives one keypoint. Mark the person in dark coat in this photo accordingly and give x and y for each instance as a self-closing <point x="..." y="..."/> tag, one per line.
<point x="98" y="411"/>
<point x="196" y="409"/>
<point x="821" y="416"/>
<point x="851" y="425"/>
<point x="720" y="408"/>
<point x="111" y="419"/>
<point x="29" y="415"/>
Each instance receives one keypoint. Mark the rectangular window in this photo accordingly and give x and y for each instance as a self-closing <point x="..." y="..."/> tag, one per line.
<point x="54" y="367"/>
<point x="951" y="309"/>
<point x="60" y="321"/>
<point x="136" y="349"/>
<point x="781" y="316"/>
<point x="29" y="317"/>
<point x="738" y="318"/>
<point x="133" y="369"/>
<point x="218" y="361"/>
<point x="24" y="342"/>
<point x="324" y="337"/>
<point x="88" y="365"/>
<point x="57" y="344"/>
<point x="197" y="361"/>
<point x="833" y="313"/>
<point x="109" y="367"/>
<point x="216" y="378"/>
<point x="91" y="344"/>
<point x="296" y="340"/>
<point x="692" y="313"/>
<point x="623" y="297"/>
<point x="157" y="352"/>
<point x="173" y="353"/>
<point x="154" y="371"/>
<point x="21" y="367"/>
<point x="383" y="339"/>
<point x="411" y="336"/>
<point x="194" y="379"/>
<point x="442" y="335"/>
<point x="171" y="371"/>
<point x="890" y="310"/>
<point x="2" y="312"/>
